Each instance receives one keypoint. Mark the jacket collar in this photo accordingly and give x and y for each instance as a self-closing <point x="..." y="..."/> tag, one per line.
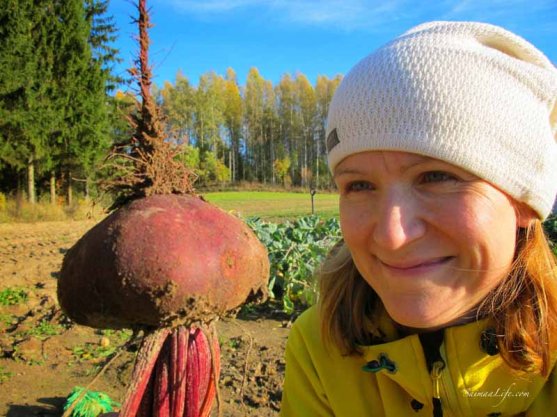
<point x="480" y="382"/>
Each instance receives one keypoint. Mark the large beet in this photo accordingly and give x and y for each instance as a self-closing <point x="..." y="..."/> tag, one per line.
<point x="162" y="261"/>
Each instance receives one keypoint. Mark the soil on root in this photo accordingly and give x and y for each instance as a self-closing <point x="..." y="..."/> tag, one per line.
<point x="43" y="355"/>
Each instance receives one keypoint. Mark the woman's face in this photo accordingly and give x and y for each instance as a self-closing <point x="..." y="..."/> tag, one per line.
<point x="430" y="238"/>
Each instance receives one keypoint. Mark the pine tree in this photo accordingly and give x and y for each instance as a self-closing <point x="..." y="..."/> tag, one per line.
<point x="16" y="70"/>
<point x="52" y="92"/>
<point x="79" y="96"/>
<point x="22" y="94"/>
<point x="102" y="35"/>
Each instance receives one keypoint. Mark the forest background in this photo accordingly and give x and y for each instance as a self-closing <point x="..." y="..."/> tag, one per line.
<point x="62" y="110"/>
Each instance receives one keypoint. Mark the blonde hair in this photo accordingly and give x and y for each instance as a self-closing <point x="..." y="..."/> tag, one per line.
<point x="523" y="307"/>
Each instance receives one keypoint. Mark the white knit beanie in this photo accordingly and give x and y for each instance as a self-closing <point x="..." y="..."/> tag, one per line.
<point x="471" y="94"/>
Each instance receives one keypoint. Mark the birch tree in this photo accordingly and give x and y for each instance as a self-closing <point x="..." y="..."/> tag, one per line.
<point x="233" y="115"/>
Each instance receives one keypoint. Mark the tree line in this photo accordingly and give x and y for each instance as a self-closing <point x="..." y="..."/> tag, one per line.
<point x="56" y="115"/>
<point x="61" y="111"/>
<point x="257" y="132"/>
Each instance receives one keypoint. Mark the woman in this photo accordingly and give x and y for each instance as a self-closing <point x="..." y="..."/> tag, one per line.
<point x="442" y="299"/>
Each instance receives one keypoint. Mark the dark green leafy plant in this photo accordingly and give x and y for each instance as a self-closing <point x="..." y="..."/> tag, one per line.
<point x="297" y="248"/>
<point x="295" y="251"/>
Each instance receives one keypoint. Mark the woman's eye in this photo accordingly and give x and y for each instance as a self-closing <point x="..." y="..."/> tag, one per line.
<point x="438" y="176"/>
<point x="356" y="186"/>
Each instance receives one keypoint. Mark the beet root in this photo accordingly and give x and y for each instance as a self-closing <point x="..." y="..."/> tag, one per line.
<point x="162" y="261"/>
<point x="170" y="265"/>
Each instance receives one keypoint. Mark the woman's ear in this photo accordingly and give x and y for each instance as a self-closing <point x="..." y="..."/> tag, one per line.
<point x="524" y="215"/>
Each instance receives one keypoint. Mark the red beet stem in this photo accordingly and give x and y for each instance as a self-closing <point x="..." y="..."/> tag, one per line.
<point x="199" y="372"/>
<point x="144" y="364"/>
<point x="146" y="406"/>
<point x="205" y="410"/>
<point x="175" y="375"/>
<point x="194" y="374"/>
<point x="178" y="380"/>
<point x="161" y="400"/>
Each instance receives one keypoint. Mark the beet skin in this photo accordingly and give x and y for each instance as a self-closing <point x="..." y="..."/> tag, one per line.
<point x="163" y="260"/>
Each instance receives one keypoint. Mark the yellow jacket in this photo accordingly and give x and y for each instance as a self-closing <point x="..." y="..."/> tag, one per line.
<point x="392" y="379"/>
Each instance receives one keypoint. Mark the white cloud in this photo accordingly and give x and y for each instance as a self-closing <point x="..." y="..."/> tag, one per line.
<point x="493" y="9"/>
<point x="347" y="14"/>
<point x="377" y="15"/>
<point x="212" y="6"/>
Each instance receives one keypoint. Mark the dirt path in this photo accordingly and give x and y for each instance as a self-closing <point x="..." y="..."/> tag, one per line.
<point x="43" y="355"/>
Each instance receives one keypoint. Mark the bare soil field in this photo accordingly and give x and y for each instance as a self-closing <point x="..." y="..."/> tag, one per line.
<point x="43" y="356"/>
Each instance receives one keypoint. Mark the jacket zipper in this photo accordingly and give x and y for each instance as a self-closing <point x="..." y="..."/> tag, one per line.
<point x="442" y="385"/>
<point x="436" y="379"/>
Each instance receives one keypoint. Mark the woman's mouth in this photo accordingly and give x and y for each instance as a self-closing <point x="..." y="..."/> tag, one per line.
<point x="416" y="266"/>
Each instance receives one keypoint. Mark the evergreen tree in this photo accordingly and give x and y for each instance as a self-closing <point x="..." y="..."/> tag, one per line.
<point x="25" y="110"/>
<point x="102" y="35"/>
<point x="82" y="134"/>
<point x="16" y="72"/>
<point x="53" y="107"/>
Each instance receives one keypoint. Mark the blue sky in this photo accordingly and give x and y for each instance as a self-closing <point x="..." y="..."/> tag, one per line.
<point x="310" y="36"/>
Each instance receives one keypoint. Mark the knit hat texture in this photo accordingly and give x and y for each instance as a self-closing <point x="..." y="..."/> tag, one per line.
<point x="471" y="94"/>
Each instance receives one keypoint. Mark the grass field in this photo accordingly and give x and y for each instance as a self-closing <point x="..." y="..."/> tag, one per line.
<point x="274" y="206"/>
<point x="269" y="205"/>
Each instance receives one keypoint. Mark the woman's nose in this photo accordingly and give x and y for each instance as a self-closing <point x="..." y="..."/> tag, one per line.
<point x="398" y="222"/>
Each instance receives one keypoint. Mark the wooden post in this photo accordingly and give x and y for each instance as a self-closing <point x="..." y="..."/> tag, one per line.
<point x="52" y="188"/>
